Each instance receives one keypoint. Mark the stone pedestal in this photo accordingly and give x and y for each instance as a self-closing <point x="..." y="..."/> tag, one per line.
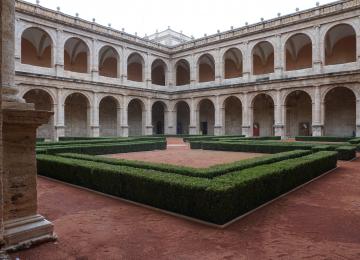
<point x="246" y="130"/>
<point x="125" y="131"/>
<point x="23" y="227"/>
<point x="149" y="130"/>
<point x="317" y="130"/>
<point x="218" y="130"/>
<point x="279" y="130"/>
<point x="193" y="130"/>
<point x="358" y="131"/>
<point x="59" y="132"/>
<point x="95" y="131"/>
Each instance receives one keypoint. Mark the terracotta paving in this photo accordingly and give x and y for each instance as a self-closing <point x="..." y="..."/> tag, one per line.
<point x="179" y="153"/>
<point x="319" y="221"/>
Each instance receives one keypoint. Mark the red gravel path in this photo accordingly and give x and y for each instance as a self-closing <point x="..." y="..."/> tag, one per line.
<point x="179" y="153"/>
<point x="320" y="221"/>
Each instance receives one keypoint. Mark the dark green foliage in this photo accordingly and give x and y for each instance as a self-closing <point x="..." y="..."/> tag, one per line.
<point x="323" y="138"/>
<point x="103" y="148"/>
<point x="273" y="147"/>
<point x="346" y="153"/>
<point x="216" y="200"/>
<point x="210" y="172"/>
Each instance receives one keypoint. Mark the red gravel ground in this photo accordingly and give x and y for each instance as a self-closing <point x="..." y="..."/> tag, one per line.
<point x="179" y="153"/>
<point x="319" y="221"/>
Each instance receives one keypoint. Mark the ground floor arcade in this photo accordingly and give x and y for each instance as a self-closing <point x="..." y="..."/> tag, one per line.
<point x="328" y="110"/>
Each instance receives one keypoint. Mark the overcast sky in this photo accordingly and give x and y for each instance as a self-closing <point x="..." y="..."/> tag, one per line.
<point x="193" y="17"/>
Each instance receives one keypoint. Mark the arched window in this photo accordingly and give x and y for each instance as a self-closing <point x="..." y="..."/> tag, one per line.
<point x="298" y="51"/>
<point x="206" y="66"/>
<point x="76" y="54"/>
<point x="233" y="63"/>
<point x="108" y="62"/>
<point x="263" y="58"/>
<point x="158" y="72"/>
<point x="340" y="45"/>
<point x="182" y="73"/>
<point x="135" y="65"/>
<point x="36" y="48"/>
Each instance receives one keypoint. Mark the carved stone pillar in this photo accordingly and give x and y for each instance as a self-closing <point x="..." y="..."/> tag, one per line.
<point x="20" y="224"/>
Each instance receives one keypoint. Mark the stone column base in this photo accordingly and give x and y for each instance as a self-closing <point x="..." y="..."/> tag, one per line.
<point x="149" y="130"/>
<point x="95" y="131"/>
<point x="25" y="232"/>
<point x="125" y="131"/>
<point x="358" y="131"/>
<point x="193" y="130"/>
<point x="246" y="130"/>
<point x="59" y="132"/>
<point x="279" y="131"/>
<point x="218" y="130"/>
<point x="317" y="130"/>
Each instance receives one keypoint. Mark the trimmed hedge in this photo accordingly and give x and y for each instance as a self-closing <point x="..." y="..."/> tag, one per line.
<point x="323" y="139"/>
<point x="218" y="200"/>
<point x="210" y="172"/>
<point x="345" y="152"/>
<point x="104" y="148"/>
<point x="355" y="141"/>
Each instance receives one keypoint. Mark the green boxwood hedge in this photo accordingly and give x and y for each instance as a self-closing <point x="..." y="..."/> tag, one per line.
<point x="103" y="148"/>
<point x="345" y="152"/>
<point x="210" y="172"/>
<point x="216" y="200"/>
<point x="323" y="138"/>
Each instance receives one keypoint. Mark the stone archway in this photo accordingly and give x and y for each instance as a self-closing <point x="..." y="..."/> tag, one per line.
<point x="158" y="72"/>
<point x="182" y="73"/>
<point x="263" y="115"/>
<point x="298" y="114"/>
<point x="263" y="58"/>
<point x="158" y="118"/>
<point x="298" y="52"/>
<point x="36" y="48"/>
<point x="42" y="101"/>
<point x="182" y="118"/>
<point x="76" y="55"/>
<point x="108" y="62"/>
<point x="340" y="45"/>
<point x="206" y="69"/>
<point x="206" y="117"/>
<point x="135" y="67"/>
<point x="233" y="63"/>
<point x="233" y="116"/>
<point x="136" y="117"/>
<point x="340" y="112"/>
<point x="108" y="117"/>
<point x="77" y="115"/>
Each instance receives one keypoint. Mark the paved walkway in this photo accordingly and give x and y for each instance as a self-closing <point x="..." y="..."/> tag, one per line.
<point x="320" y="221"/>
<point x="179" y="153"/>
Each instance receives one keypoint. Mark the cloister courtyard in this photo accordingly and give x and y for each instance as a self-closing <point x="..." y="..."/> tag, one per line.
<point x="319" y="221"/>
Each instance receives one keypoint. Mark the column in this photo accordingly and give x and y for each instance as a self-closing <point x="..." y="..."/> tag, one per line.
<point x="219" y="110"/>
<point x="59" y="118"/>
<point x="279" y="57"/>
<point x="218" y="66"/>
<point x="194" y="124"/>
<point x="247" y="117"/>
<point x="279" y="126"/>
<point x="358" y="117"/>
<point x="317" y="114"/>
<point x="170" y="122"/>
<point x="118" y="121"/>
<point x="94" y="117"/>
<point x="148" y="118"/>
<point x="59" y="54"/>
<point x="193" y="70"/>
<point x="124" y="117"/>
<point x="123" y="61"/>
<point x="94" y="57"/>
<point x="317" y="47"/>
<point x="148" y="70"/>
<point x="247" y="62"/>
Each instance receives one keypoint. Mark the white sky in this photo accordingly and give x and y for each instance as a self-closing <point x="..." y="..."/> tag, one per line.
<point x="193" y="17"/>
